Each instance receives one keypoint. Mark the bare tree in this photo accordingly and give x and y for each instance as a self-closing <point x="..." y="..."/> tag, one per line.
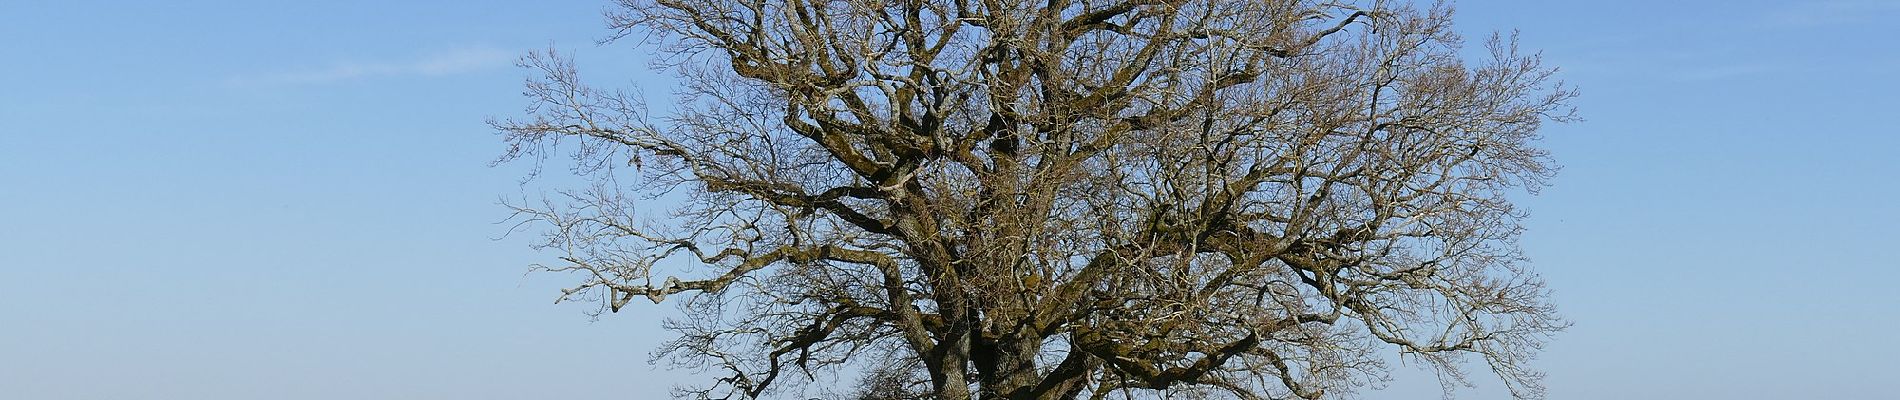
<point x="1057" y="200"/>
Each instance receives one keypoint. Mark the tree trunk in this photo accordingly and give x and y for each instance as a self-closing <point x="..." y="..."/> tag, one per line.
<point x="1008" y="367"/>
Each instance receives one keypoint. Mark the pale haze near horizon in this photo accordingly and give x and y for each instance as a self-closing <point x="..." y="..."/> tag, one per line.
<point x="291" y="200"/>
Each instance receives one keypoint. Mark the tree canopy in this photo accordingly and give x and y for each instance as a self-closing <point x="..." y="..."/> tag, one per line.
<point x="1067" y="199"/>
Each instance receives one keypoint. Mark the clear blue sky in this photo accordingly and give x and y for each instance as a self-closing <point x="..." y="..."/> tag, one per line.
<point x="290" y="200"/>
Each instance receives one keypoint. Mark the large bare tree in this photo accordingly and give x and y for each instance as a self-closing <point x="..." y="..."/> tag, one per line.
<point x="1060" y="199"/>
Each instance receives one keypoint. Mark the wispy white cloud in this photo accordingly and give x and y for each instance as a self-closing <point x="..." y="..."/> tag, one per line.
<point x="1724" y="72"/>
<point x="441" y="63"/>
<point x="1833" y="12"/>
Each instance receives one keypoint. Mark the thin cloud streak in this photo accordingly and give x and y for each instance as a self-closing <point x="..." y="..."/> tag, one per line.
<point x="1836" y="12"/>
<point x="1728" y="72"/>
<point x="435" y="64"/>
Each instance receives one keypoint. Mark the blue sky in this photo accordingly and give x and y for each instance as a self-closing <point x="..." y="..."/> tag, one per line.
<point x="291" y="200"/>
